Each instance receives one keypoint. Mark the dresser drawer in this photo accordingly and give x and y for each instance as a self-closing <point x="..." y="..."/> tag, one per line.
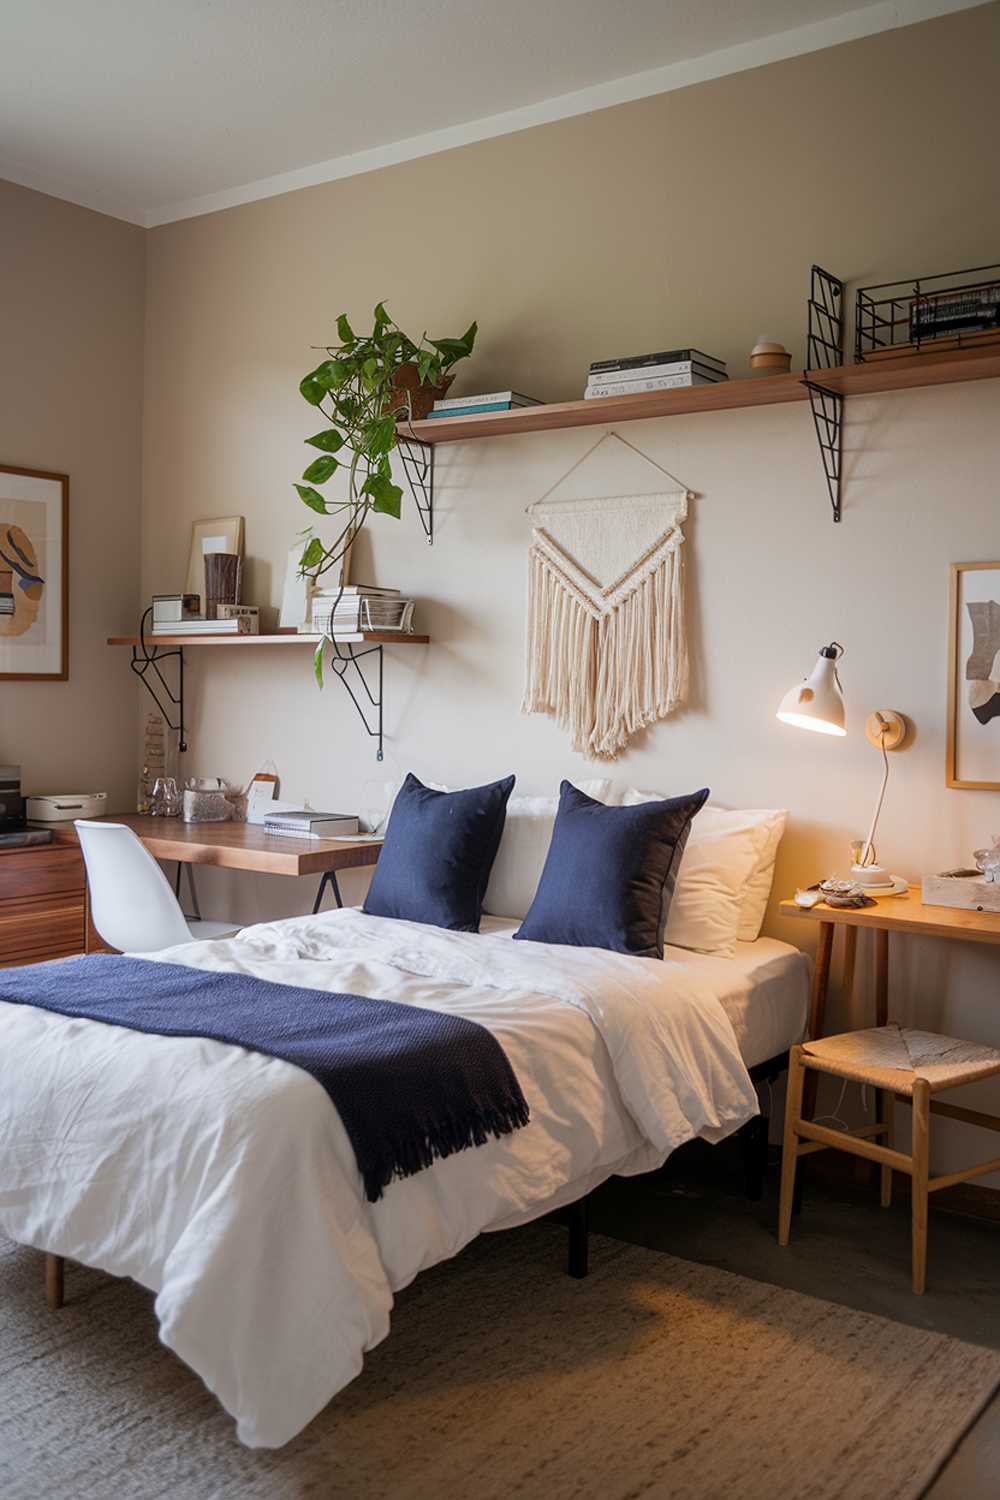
<point x="38" y="932"/>
<point x="50" y="870"/>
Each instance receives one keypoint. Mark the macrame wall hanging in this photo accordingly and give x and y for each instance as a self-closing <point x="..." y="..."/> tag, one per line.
<point x="606" y="645"/>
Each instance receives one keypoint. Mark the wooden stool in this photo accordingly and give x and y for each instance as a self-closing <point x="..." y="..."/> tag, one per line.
<point x="908" y="1066"/>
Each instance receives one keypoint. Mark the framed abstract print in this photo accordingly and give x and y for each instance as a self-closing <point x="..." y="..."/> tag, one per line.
<point x="973" y="753"/>
<point x="34" y="575"/>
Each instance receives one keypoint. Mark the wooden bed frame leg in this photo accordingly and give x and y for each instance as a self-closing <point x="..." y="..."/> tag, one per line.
<point x="578" y="1233"/>
<point x="55" y="1269"/>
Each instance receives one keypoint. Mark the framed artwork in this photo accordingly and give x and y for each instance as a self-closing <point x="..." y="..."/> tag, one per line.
<point x="34" y="575"/>
<point x="224" y="534"/>
<point x="973" y="753"/>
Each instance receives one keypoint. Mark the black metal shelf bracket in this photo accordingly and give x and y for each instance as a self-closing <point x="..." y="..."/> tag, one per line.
<point x="824" y="350"/>
<point x="418" y="462"/>
<point x="147" y="659"/>
<point x="367" y="703"/>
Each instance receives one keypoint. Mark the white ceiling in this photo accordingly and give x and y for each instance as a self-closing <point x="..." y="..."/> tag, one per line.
<point x="154" y="110"/>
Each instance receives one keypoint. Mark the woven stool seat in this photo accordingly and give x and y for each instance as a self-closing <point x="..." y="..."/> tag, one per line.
<point x="894" y="1057"/>
<point x="905" y="1065"/>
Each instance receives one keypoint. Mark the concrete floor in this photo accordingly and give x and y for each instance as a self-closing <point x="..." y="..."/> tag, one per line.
<point x="844" y="1249"/>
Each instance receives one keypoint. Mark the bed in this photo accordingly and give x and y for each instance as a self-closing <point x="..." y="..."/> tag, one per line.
<point x="223" y="1180"/>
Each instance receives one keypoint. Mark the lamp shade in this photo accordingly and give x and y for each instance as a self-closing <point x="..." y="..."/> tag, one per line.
<point x="817" y="702"/>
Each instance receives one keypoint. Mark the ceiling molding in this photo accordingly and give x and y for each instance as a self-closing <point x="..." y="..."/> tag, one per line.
<point x="852" y="26"/>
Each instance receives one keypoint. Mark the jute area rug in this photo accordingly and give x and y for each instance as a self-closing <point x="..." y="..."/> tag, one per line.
<point x="502" y="1380"/>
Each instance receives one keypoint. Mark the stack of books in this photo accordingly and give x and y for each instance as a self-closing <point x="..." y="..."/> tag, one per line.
<point x="471" y="406"/>
<point x="357" y="607"/>
<point x="667" y="370"/>
<point x="310" y="825"/>
<point x="177" y="614"/>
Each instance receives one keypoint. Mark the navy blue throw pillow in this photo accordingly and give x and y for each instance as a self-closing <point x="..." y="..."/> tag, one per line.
<point x="610" y="873"/>
<point x="438" y="853"/>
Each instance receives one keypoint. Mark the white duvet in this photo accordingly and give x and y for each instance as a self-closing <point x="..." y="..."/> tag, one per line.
<point x="224" y="1180"/>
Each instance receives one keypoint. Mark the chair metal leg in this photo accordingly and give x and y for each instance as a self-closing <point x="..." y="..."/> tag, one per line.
<point x="55" y="1268"/>
<point x="577" y="1263"/>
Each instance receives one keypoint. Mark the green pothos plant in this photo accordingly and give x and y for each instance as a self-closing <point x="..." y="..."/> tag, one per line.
<point x="365" y="385"/>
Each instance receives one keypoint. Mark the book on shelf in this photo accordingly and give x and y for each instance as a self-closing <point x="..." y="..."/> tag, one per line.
<point x="310" y="825"/>
<point x="636" y="387"/>
<point x="661" y="357"/>
<point x="354" y="590"/>
<point x="360" y="614"/>
<point x="653" y="372"/>
<point x="474" y="411"/>
<point x="491" y="398"/>
<point x="241" y="625"/>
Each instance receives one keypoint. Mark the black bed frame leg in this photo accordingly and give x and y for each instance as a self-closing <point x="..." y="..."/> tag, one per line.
<point x="753" y="1146"/>
<point x="578" y="1239"/>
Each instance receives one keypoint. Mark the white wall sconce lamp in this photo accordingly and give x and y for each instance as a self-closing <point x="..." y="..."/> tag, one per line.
<point x="817" y="703"/>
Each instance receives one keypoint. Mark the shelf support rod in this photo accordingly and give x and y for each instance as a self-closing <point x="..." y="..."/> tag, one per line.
<point x="418" y="463"/>
<point x="146" y="660"/>
<point x="824" y="350"/>
<point x="342" y="661"/>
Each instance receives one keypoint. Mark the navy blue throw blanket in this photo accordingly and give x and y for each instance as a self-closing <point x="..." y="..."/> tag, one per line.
<point x="409" y="1084"/>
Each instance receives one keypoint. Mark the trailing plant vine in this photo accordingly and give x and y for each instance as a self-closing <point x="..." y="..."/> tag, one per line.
<point x="356" y="389"/>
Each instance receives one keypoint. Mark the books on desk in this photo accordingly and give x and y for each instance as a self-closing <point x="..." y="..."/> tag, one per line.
<point x="665" y="370"/>
<point x="308" y="824"/>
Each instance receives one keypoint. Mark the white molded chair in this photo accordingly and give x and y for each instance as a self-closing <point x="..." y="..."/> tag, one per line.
<point x="131" y="903"/>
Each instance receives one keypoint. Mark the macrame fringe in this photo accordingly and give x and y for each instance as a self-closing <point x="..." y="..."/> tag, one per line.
<point x="604" y="675"/>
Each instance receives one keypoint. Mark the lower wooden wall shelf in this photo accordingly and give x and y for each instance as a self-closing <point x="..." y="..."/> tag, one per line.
<point x="348" y="651"/>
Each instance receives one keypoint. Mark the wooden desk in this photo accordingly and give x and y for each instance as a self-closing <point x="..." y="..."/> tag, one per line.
<point x="889" y="914"/>
<point x="245" y="846"/>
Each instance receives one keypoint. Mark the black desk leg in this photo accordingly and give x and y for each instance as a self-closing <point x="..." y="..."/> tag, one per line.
<point x="578" y="1230"/>
<point x="329" y="877"/>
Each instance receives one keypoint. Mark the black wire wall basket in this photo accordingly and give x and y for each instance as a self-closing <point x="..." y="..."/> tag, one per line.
<point x="954" y="310"/>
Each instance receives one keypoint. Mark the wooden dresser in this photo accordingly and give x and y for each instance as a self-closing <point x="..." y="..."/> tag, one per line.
<point x="43" y="901"/>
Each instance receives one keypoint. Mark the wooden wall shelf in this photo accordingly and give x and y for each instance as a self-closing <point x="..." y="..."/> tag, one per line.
<point x="373" y="637"/>
<point x="150" y="652"/>
<point x="871" y="378"/>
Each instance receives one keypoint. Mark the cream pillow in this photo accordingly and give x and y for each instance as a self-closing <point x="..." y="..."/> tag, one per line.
<point x="527" y="834"/>
<point x="757" y="891"/>
<point x="725" y="851"/>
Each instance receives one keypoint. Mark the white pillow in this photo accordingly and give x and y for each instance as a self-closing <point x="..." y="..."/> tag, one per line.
<point x="527" y="834"/>
<point x="725" y="851"/>
<point x="757" y="891"/>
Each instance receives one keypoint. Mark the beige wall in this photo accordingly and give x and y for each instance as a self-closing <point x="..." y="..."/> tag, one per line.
<point x="688" y="218"/>
<point x="70" y="401"/>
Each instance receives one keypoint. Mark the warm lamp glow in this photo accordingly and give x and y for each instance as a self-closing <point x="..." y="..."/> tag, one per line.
<point x="819" y="726"/>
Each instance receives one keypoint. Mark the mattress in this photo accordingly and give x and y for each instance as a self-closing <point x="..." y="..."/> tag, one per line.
<point x="763" y="988"/>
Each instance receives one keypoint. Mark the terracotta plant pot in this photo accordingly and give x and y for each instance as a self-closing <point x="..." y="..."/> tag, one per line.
<point x="422" y="397"/>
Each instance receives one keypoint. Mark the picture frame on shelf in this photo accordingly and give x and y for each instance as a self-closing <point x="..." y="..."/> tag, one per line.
<point x="973" y="731"/>
<point x="219" y="534"/>
<point x="34" y="575"/>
